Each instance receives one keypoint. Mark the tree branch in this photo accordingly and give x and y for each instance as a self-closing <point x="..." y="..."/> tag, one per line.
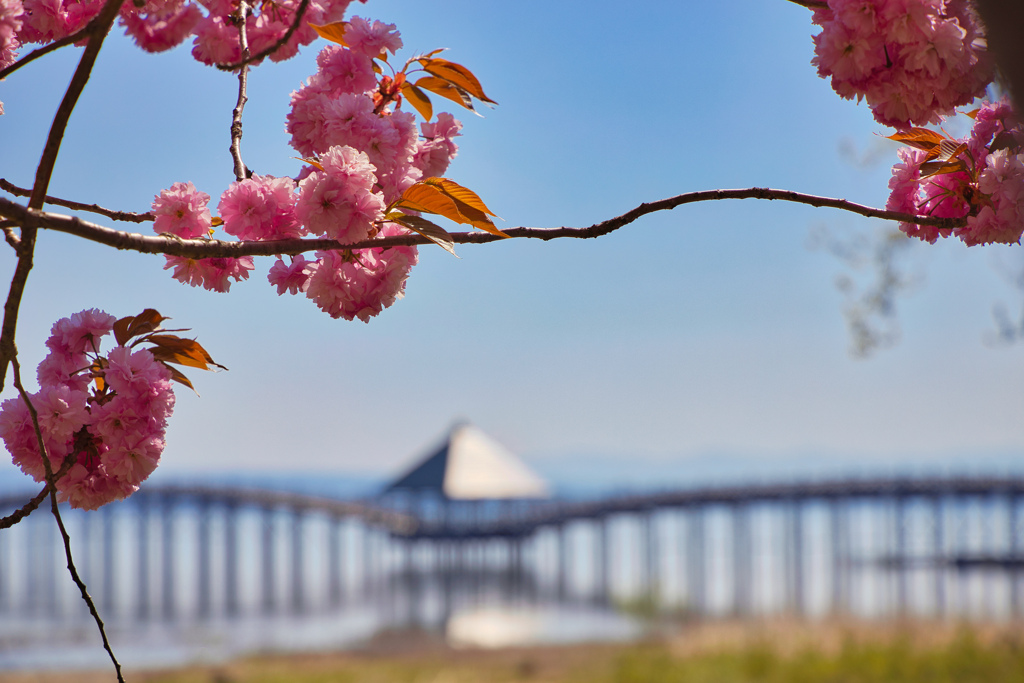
<point x="811" y="4"/>
<point x="27" y="509"/>
<point x="241" y="171"/>
<point x="51" y="486"/>
<point x="197" y="249"/>
<point x="46" y="49"/>
<point x="126" y="216"/>
<point x="299" y="14"/>
<point x="100" y="26"/>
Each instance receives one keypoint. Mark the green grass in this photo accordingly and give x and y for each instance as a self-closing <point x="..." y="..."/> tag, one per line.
<point x="964" y="659"/>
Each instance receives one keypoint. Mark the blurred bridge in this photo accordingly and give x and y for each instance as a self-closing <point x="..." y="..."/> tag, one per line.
<point x="867" y="547"/>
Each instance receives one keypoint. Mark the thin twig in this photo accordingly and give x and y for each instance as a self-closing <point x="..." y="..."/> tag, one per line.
<point x="51" y="485"/>
<point x="811" y="4"/>
<point x="126" y="216"/>
<point x="10" y="236"/>
<point x="46" y="49"/>
<point x="241" y="172"/>
<point x="27" y="509"/>
<point x="44" y="171"/>
<point x="299" y="13"/>
<point x="197" y="249"/>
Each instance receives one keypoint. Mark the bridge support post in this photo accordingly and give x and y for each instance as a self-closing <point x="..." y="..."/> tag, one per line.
<point x="742" y="553"/>
<point x="143" y="560"/>
<point x="651" y="558"/>
<point x="564" y="589"/>
<point x="267" y="575"/>
<point x="334" y="562"/>
<point x="205" y="592"/>
<point x="901" y="555"/>
<point x="696" y="569"/>
<point x="1014" y="548"/>
<point x="939" y="556"/>
<point x="601" y="557"/>
<point x="109" y="571"/>
<point x="167" y="557"/>
<point x="298" y="564"/>
<point x="795" y="562"/>
<point x="839" y="520"/>
<point x="231" y="576"/>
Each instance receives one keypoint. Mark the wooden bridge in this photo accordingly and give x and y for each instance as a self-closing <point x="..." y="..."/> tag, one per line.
<point x="869" y="547"/>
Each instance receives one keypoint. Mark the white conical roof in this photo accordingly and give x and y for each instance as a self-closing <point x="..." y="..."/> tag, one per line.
<point x="470" y="465"/>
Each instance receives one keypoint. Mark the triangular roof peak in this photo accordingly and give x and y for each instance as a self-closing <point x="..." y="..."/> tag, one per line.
<point x="469" y="465"/>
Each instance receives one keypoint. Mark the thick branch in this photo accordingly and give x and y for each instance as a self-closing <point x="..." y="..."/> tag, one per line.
<point x="100" y="26"/>
<point x="196" y="249"/>
<point x="299" y="14"/>
<point x="126" y="216"/>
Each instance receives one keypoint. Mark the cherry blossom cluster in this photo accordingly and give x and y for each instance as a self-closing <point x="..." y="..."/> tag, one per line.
<point x="984" y="182"/>
<point x="912" y="60"/>
<point x="363" y="152"/>
<point x="158" y="25"/>
<point x="108" y="412"/>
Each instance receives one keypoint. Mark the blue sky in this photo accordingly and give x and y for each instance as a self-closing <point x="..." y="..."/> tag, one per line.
<point x="712" y="329"/>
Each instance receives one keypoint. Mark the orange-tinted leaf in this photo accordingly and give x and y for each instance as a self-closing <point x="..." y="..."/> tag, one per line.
<point x="463" y="194"/>
<point x="179" y="377"/>
<point x="311" y="161"/>
<point x="333" y="32"/>
<point x="428" y="199"/>
<point x="441" y="87"/>
<point x="418" y="99"/>
<point x="216" y="221"/>
<point x="919" y="138"/>
<point x="435" y="198"/>
<point x="930" y="168"/>
<point x="133" y="326"/>
<point x="972" y="113"/>
<point x="171" y="349"/>
<point x="950" y="149"/>
<point x="458" y="75"/>
<point x="96" y="370"/>
<point x="433" y="232"/>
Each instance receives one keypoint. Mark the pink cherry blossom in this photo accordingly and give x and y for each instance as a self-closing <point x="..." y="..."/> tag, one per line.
<point x="361" y="284"/>
<point x="182" y="211"/>
<point x="157" y="27"/>
<point x="260" y="208"/>
<point x="912" y="60"/>
<point x="293" y="278"/>
<point x="372" y="40"/>
<point x="437" y="149"/>
<point x="214" y="274"/>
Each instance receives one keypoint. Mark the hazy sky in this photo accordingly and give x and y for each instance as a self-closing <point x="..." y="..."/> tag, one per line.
<point x="710" y="329"/>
